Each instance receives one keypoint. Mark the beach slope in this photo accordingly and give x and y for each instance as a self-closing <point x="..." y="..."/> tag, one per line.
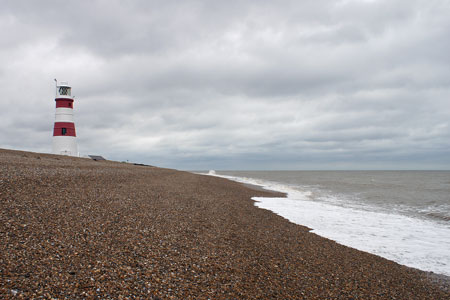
<point x="76" y="228"/>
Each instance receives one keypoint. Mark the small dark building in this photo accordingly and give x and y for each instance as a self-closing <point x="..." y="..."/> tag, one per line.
<point x="96" y="157"/>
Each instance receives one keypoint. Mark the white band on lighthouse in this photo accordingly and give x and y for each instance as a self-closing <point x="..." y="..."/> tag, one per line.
<point x="64" y="135"/>
<point x="65" y="145"/>
<point x="64" y="115"/>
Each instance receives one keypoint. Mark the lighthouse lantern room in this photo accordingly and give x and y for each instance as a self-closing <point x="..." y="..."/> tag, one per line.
<point x="64" y="136"/>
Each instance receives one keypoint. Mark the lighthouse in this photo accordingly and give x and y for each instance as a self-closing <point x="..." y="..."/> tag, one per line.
<point x="64" y="137"/>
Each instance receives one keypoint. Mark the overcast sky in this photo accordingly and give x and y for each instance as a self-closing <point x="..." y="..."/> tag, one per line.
<point x="303" y="84"/>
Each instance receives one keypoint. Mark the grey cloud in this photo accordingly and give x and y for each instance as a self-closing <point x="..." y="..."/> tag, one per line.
<point x="236" y="84"/>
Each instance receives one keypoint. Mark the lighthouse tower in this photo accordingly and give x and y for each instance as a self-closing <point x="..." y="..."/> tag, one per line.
<point x="64" y="137"/>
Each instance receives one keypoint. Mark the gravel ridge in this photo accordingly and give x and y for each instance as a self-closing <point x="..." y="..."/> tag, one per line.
<point x="73" y="228"/>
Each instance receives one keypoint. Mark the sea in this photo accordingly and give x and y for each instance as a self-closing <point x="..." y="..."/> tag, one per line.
<point x="403" y="216"/>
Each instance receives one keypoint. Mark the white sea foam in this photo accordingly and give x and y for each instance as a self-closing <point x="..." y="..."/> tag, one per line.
<point x="406" y="240"/>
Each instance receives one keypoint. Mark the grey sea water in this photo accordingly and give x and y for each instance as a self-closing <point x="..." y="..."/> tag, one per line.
<point x="419" y="194"/>
<point x="401" y="215"/>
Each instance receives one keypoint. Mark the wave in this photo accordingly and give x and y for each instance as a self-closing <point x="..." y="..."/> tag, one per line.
<point x="414" y="242"/>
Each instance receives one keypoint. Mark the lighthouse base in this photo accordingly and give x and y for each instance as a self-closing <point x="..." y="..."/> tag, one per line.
<point x="65" y="145"/>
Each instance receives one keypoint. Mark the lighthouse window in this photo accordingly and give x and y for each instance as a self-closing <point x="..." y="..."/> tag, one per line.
<point x="64" y="90"/>
<point x="64" y="131"/>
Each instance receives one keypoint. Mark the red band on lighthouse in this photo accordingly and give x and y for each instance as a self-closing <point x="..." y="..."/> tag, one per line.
<point x="64" y="129"/>
<point x="67" y="103"/>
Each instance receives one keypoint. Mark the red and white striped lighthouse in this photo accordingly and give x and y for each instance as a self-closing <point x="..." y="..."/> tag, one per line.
<point x="64" y="136"/>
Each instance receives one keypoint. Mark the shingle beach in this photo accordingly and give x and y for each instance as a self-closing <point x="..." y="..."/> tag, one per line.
<point x="73" y="228"/>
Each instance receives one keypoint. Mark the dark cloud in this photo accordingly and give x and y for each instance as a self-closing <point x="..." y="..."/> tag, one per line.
<point x="236" y="84"/>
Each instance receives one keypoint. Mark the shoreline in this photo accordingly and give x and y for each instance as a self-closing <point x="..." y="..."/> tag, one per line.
<point x="316" y="228"/>
<point x="442" y="280"/>
<point x="76" y="228"/>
